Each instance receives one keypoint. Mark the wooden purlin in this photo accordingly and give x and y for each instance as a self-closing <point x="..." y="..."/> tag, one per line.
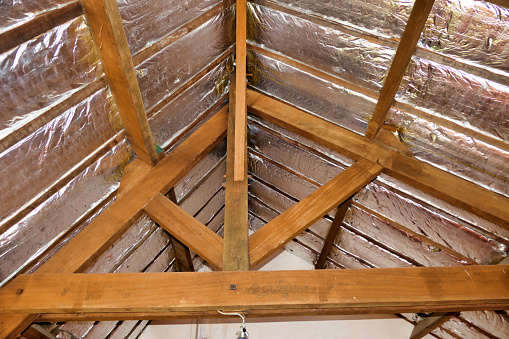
<point x="444" y="185"/>
<point x="297" y="218"/>
<point x="406" y="48"/>
<point x="108" y="226"/>
<point x="105" y="23"/>
<point x="373" y="290"/>
<point x="431" y="322"/>
<point x="236" y="226"/>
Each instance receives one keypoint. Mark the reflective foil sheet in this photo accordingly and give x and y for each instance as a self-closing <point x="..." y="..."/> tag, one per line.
<point x="336" y="104"/>
<point x="164" y="72"/>
<point x="34" y="163"/>
<point x="145" y="22"/>
<point x="354" y="59"/>
<point x="174" y="118"/>
<point x="382" y="17"/>
<point x="15" y="12"/>
<point x="475" y="31"/>
<point x="44" y="71"/>
<point x="43" y="227"/>
<point x="469" y="100"/>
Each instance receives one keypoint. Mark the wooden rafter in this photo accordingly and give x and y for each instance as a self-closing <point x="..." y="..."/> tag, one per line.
<point x="236" y="227"/>
<point x="373" y="290"/>
<point x="103" y="18"/>
<point x="333" y="233"/>
<point x="240" y="93"/>
<point x="431" y="322"/>
<point x="406" y="48"/>
<point x="444" y="185"/>
<point x="297" y="218"/>
<point x="108" y="226"/>
<point x="187" y="229"/>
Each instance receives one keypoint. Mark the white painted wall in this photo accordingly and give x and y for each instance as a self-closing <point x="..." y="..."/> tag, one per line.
<point x="324" y="327"/>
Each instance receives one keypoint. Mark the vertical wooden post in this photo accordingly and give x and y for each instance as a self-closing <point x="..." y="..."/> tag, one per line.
<point x="182" y="253"/>
<point x="240" y="90"/>
<point x="236" y="226"/>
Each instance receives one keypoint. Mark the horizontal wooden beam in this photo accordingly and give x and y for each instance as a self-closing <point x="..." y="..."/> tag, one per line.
<point x="297" y="218"/>
<point x="444" y="185"/>
<point x="108" y="226"/>
<point x="187" y="229"/>
<point x="430" y="288"/>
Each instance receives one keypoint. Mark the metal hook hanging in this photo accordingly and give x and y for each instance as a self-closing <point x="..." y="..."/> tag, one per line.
<point x="242" y="333"/>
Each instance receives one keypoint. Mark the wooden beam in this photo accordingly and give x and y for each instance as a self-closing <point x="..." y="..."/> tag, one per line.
<point x="187" y="229"/>
<point x="38" y="25"/>
<point x="103" y="18"/>
<point x="430" y="288"/>
<point x="240" y="93"/>
<point x="469" y="196"/>
<point x="104" y="230"/>
<point x="132" y="173"/>
<point x="181" y="251"/>
<point x="406" y="48"/>
<point x="236" y="226"/>
<point x="297" y="218"/>
<point x="333" y="233"/>
<point x="431" y="322"/>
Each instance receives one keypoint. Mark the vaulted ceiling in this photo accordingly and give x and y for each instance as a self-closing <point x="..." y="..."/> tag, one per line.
<point x="360" y="134"/>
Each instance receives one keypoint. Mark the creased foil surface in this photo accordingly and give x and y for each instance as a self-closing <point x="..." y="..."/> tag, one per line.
<point x="383" y="17"/>
<point x="15" y="12"/>
<point x="34" y="163"/>
<point x="469" y="100"/>
<point x="476" y="31"/>
<point x="331" y="102"/>
<point x="354" y="59"/>
<point x="33" y="234"/>
<point x="167" y="70"/>
<point x="174" y="118"/>
<point x="45" y="70"/>
<point x="145" y="21"/>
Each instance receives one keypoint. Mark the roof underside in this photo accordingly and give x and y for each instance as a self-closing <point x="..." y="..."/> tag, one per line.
<point x="63" y="148"/>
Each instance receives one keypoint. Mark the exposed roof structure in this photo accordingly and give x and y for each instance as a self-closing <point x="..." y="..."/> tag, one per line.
<point x="369" y="137"/>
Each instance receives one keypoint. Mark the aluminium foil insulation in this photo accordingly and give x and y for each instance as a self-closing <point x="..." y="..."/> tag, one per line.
<point x="469" y="100"/>
<point x="455" y="152"/>
<point x="489" y="321"/>
<point x="43" y="227"/>
<point x="45" y="70"/>
<point x="334" y="103"/>
<point x="476" y="31"/>
<point x="16" y="12"/>
<point x="404" y="211"/>
<point x="464" y="330"/>
<point x="161" y="74"/>
<point x="146" y="22"/>
<point x="353" y="59"/>
<point x="122" y="331"/>
<point x="438" y="206"/>
<point x="168" y="123"/>
<point x="34" y="163"/>
<point x="382" y="17"/>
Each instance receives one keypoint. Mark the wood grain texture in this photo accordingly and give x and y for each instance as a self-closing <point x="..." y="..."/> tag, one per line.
<point x="297" y="218"/>
<point x="444" y="185"/>
<point x="240" y="93"/>
<point x="236" y="226"/>
<point x="431" y="288"/>
<point x="132" y="173"/>
<point x="104" y="230"/>
<point x="181" y="251"/>
<point x="187" y="229"/>
<point x="103" y="18"/>
<point x="431" y="322"/>
<point x="333" y="233"/>
<point x="406" y="47"/>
